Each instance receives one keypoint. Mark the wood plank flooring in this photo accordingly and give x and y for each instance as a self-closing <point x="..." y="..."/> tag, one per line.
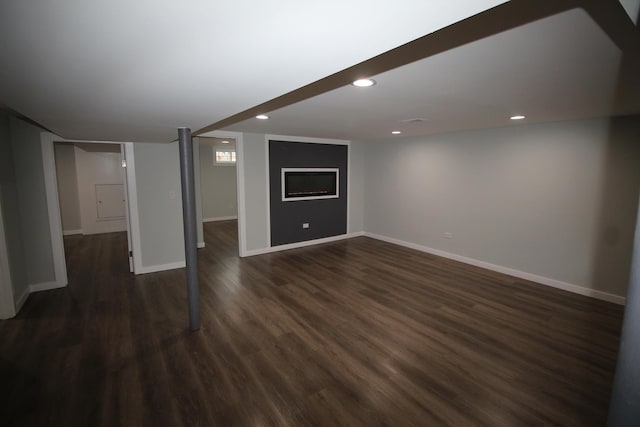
<point x="352" y="333"/>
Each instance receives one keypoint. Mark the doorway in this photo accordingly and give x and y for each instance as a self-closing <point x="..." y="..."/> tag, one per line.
<point x="217" y="157"/>
<point x="92" y="195"/>
<point x="226" y="197"/>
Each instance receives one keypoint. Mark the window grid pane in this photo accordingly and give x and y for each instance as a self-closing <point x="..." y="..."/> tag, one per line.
<point x="225" y="156"/>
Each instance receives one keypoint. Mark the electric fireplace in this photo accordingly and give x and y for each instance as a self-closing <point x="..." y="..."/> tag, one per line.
<point x="310" y="184"/>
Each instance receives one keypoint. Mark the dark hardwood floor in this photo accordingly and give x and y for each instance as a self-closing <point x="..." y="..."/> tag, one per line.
<point x="353" y="333"/>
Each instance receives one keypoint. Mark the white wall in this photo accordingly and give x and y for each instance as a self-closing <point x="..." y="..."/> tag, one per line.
<point x="97" y="164"/>
<point x="67" y="177"/>
<point x="554" y="200"/>
<point x="217" y="184"/>
<point x="159" y="200"/>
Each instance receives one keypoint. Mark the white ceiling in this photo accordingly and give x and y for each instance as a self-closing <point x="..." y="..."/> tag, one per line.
<point x="561" y="67"/>
<point x="126" y="70"/>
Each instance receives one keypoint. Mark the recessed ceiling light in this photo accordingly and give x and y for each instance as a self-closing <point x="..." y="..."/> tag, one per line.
<point x="224" y="142"/>
<point x="518" y="117"/>
<point x="396" y="132"/>
<point x="364" y="82"/>
<point x="262" y="117"/>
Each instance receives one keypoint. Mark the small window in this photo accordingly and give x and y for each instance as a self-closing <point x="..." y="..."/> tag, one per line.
<point x="224" y="157"/>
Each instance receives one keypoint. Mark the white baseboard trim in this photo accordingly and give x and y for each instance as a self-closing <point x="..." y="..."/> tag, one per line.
<point x="219" y="218"/>
<point x="201" y="245"/>
<point x="162" y="267"/>
<point x="616" y="299"/>
<point x="306" y="243"/>
<point x="22" y="299"/>
<point x="71" y="232"/>
<point x="46" y="286"/>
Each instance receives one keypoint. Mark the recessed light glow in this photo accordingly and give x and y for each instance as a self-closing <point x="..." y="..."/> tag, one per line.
<point x="518" y="117"/>
<point x="396" y="132"/>
<point x="224" y="142"/>
<point x="262" y="117"/>
<point x="364" y="82"/>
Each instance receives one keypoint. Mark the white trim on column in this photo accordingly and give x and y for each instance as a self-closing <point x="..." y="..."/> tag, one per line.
<point x="267" y="181"/>
<point x="134" y="216"/>
<point x="197" y="180"/>
<point x="53" y="205"/>
<point x="242" y="214"/>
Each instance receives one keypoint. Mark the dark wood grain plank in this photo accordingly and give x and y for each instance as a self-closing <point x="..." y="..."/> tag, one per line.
<point x="354" y="333"/>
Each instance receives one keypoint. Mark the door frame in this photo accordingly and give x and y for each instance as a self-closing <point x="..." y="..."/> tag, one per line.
<point x="47" y="140"/>
<point x="242" y="217"/>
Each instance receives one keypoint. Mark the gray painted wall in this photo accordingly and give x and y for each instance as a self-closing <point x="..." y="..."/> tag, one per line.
<point x="10" y="211"/>
<point x="255" y="183"/>
<point x="356" y="188"/>
<point x="157" y="169"/>
<point x="217" y="185"/>
<point x="32" y="202"/>
<point x="556" y="200"/>
<point x="67" y="186"/>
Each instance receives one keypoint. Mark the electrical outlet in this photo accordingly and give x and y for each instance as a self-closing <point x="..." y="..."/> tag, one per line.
<point x="448" y="235"/>
<point x="305" y="225"/>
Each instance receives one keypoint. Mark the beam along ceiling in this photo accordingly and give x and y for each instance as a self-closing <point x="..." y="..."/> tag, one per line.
<point x="136" y="70"/>
<point x="558" y="68"/>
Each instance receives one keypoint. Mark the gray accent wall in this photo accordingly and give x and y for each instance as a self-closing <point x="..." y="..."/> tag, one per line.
<point x="556" y="200"/>
<point x="325" y="217"/>
<point x="67" y="186"/>
<point x="158" y="190"/>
